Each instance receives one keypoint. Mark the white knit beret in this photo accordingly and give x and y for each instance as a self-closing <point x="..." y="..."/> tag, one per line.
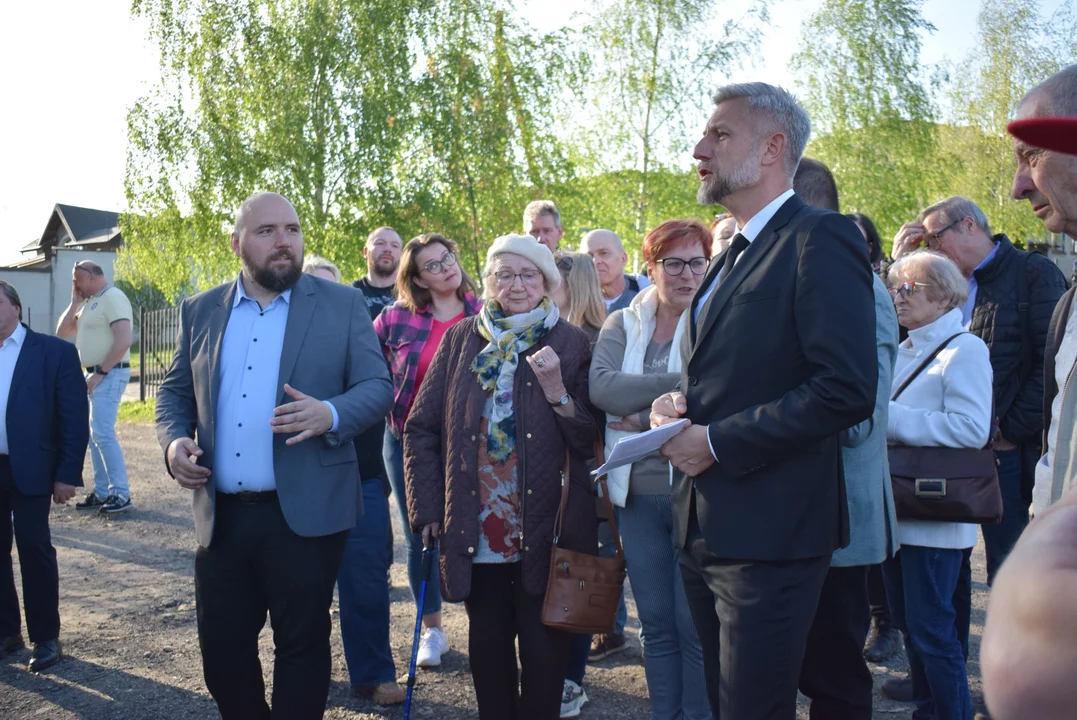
<point x="527" y="247"/>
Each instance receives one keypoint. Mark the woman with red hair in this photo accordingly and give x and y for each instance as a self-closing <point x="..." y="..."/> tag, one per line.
<point x="638" y="358"/>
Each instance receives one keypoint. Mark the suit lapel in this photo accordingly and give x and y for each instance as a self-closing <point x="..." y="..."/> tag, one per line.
<point x="300" y="311"/>
<point x="745" y="264"/>
<point x="217" y="324"/>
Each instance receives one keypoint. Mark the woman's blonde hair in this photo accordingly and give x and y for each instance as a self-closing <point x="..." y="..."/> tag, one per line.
<point x="408" y="291"/>
<point x="938" y="272"/>
<point x="584" y="305"/>
<point x="317" y="262"/>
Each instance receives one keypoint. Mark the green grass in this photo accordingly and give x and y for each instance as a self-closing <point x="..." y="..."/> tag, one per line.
<point x="137" y="412"/>
<point x="135" y="360"/>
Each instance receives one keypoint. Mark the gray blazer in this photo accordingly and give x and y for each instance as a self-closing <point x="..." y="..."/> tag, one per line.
<point x="872" y="520"/>
<point x="330" y="352"/>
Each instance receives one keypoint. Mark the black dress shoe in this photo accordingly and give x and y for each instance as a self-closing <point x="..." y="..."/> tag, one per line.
<point x="10" y="644"/>
<point x="883" y="643"/>
<point x="899" y="689"/>
<point x="46" y="654"/>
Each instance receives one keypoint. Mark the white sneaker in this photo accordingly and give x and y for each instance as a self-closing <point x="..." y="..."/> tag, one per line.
<point x="432" y="645"/>
<point x="572" y="699"/>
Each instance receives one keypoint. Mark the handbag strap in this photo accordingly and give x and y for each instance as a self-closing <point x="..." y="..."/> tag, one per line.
<point x="566" y="476"/>
<point x="934" y="354"/>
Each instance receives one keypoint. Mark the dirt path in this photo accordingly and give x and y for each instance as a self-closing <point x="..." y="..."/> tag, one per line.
<point x="127" y="609"/>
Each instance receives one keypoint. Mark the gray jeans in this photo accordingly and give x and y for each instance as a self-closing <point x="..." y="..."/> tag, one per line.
<point x="109" y="470"/>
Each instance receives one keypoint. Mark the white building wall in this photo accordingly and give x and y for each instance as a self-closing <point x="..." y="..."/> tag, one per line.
<point x="35" y="294"/>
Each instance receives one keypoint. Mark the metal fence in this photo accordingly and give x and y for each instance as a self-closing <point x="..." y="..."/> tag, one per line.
<point x="156" y="343"/>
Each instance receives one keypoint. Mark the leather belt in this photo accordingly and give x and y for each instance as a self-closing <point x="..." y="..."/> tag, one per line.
<point x="248" y="498"/>
<point x="117" y="366"/>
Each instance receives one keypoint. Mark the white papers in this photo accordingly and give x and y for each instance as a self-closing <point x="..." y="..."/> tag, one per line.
<point x="635" y="447"/>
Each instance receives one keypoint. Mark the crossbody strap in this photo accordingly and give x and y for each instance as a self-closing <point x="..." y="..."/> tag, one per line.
<point x="600" y="453"/>
<point x="934" y="354"/>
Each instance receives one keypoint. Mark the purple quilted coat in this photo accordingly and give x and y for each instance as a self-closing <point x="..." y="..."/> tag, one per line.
<point x="441" y="442"/>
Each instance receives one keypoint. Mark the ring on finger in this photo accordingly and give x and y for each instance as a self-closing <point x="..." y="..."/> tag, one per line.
<point x="540" y="361"/>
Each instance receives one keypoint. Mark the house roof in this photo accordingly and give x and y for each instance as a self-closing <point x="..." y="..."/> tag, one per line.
<point x="74" y="225"/>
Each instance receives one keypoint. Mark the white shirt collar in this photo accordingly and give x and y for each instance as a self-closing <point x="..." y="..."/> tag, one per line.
<point x="17" y="335"/>
<point x="241" y="294"/>
<point x="759" y="221"/>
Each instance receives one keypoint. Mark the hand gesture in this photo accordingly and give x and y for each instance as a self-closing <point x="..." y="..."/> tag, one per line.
<point x="62" y="492"/>
<point x="908" y="238"/>
<point x="182" y="456"/>
<point x="92" y="382"/>
<point x="306" y="416"/>
<point x="667" y="408"/>
<point x="629" y="423"/>
<point x="547" y="367"/>
<point x="430" y="534"/>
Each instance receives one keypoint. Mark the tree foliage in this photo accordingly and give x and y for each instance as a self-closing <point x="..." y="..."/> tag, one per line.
<point x="859" y="61"/>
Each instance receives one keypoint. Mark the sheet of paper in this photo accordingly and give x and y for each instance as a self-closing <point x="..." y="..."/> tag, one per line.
<point x="636" y="447"/>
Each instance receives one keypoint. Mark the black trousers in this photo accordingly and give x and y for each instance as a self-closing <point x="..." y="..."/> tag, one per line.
<point x="880" y="607"/>
<point x="834" y="674"/>
<point x="499" y="611"/>
<point x="256" y="564"/>
<point x="753" y="620"/>
<point x="27" y="517"/>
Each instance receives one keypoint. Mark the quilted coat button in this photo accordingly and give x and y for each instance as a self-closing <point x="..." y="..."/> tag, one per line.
<point x="472" y="438"/>
<point x="528" y="491"/>
<point x="471" y="550"/>
<point x="473" y="492"/>
<point x="528" y="436"/>
<point x="527" y="549"/>
<point x="528" y="383"/>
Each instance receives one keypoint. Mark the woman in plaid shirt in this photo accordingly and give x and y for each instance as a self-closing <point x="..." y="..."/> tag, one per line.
<point x="433" y="294"/>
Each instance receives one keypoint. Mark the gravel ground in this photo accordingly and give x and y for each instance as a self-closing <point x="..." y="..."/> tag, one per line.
<point x="127" y="609"/>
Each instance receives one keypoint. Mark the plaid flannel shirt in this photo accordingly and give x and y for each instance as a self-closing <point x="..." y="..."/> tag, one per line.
<point x="402" y="334"/>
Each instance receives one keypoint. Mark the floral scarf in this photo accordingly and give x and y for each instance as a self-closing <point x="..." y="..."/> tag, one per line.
<point x="495" y="365"/>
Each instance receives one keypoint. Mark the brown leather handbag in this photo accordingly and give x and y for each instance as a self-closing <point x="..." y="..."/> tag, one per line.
<point x="583" y="590"/>
<point x="944" y="484"/>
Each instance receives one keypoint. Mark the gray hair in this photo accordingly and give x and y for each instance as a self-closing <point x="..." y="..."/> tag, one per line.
<point x="782" y="108"/>
<point x="317" y="262"/>
<point x="940" y="273"/>
<point x="1058" y="92"/>
<point x="12" y="295"/>
<point x="955" y="208"/>
<point x="537" y="208"/>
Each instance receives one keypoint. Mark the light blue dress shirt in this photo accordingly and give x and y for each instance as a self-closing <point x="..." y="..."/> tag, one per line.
<point x="249" y="366"/>
<point x="970" y="304"/>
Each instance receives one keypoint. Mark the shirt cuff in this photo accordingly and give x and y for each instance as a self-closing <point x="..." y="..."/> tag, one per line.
<point x="710" y="444"/>
<point x="336" y="417"/>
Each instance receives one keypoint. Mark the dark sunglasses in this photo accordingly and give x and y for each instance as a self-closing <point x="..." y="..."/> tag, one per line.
<point x="907" y="289"/>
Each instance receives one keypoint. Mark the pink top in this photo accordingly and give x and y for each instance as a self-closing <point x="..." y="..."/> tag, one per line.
<point x="437" y="331"/>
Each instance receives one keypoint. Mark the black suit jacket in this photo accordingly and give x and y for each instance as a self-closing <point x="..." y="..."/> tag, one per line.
<point x="48" y="415"/>
<point x="781" y="360"/>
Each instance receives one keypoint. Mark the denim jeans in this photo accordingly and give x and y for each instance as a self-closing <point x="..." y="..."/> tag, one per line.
<point x="393" y="454"/>
<point x="673" y="658"/>
<point x="999" y="539"/>
<point x="920" y="583"/>
<point x="363" y="591"/>
<point x="581" y="644"/>
<point x="109" y="471"/>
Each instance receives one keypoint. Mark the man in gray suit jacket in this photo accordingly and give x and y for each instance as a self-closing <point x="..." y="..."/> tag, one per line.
<point x="833" y="673"/>
<point x="273" y="376"/>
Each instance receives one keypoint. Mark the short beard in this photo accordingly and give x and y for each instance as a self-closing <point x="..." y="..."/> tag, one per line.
<point x="715" y="189"/>
<point x="376" y="270"/>
<point x="274" y="280"/>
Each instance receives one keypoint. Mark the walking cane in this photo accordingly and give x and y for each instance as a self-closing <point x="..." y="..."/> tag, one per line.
<point x="428" y="556"/>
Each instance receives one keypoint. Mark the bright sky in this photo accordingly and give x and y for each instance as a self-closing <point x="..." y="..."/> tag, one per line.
<point x="73" y="68"/>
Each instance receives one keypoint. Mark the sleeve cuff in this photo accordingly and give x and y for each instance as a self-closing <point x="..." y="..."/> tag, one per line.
<point x="711" y="445"/>
<point x="336" y="416"/>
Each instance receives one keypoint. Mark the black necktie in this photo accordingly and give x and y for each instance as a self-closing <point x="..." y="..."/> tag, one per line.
<point x="739" y="244"/>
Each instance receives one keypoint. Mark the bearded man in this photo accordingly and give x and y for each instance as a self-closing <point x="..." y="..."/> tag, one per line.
<point x="273" y="376"/>
<point x="780" y="360"/>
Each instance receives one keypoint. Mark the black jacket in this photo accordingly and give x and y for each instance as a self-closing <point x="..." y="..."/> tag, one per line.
<point x="781" y="361"/>
<point x="1016" y="344"/>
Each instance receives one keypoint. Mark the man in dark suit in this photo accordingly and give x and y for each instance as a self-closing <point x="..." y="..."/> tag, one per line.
<point x="44" y="428"/>
<point x="274" y="374"/>
<point x="780" y="360"/>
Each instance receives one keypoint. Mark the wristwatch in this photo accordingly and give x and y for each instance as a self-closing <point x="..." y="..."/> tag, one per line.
<point x="562" y="401"/>
<point x="100" y="370"/>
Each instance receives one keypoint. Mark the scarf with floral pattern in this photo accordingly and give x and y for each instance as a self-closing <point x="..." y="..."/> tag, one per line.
<point x="495" y="365"/>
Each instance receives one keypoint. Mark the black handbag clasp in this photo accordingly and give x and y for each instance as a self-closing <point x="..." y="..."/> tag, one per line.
<point x="930" y="487"/>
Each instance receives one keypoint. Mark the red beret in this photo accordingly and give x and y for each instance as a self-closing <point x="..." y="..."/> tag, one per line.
<point x="1050" y="133"/>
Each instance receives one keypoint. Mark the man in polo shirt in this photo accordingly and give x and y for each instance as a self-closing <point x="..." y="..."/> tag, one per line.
<point x="99" y="317"/>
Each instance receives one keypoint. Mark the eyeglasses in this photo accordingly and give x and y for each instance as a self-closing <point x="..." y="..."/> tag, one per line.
<point x="527" y="277"/>
<point x="907" y="289"/>
<point x="934" y="242"/>
<point x="434" y="267"/>
<point x="674" y="267"/>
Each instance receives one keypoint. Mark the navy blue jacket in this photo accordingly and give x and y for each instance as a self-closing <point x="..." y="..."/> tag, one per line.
<point x="48" y="415"/>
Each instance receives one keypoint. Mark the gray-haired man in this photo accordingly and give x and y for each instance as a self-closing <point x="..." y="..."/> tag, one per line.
<point x="542" y="221"/>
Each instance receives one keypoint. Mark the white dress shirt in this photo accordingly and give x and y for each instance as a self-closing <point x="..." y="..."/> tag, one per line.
<point x="9" y="356"/>
<point x="750" y="232"/>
